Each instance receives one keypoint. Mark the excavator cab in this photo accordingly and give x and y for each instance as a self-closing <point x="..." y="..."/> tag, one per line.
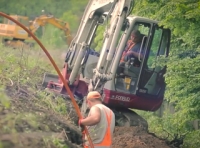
<point x="142" y="84"/>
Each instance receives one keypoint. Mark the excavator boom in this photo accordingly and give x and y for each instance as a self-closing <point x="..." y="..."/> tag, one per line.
<point x="117" y="10"/>
<point x="49" y="19"/>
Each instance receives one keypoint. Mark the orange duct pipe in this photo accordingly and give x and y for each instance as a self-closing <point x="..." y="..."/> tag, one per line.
<point x="57" y="70"/>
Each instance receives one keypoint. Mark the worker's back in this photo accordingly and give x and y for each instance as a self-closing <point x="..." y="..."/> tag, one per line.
<point x="98" y="132"/>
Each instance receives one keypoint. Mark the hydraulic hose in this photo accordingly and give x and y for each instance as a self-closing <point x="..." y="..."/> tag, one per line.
<point x="57" y="70"/>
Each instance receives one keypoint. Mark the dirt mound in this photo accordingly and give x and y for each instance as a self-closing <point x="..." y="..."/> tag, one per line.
<point x="136" y="137"/>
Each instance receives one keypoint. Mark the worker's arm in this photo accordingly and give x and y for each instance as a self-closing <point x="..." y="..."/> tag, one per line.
<point x="135" y="51"/>
<point x="135" y="54"/>
<point x="94" y="118"/>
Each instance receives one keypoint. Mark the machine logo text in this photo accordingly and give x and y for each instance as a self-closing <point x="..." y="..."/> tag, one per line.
<point x="121" y="98"/>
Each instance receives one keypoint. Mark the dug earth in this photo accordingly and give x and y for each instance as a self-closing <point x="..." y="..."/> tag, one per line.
<point x="136" y="137"/>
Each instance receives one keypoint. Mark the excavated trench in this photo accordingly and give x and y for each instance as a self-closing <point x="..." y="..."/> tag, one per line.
<point x="126" y="136"/>
<point x="53" y="126"/>
<point x="41" y="123"/>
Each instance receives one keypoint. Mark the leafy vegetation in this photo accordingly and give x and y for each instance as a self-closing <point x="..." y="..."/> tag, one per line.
<point x="182" y="76"/>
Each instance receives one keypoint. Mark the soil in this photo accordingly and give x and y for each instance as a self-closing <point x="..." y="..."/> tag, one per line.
<point x="136" y="137"/>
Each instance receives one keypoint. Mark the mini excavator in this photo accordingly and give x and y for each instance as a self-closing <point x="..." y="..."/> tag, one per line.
<point x="142" y="87"/>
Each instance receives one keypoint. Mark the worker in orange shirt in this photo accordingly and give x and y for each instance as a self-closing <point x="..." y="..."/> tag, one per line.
<point x="100" y="122"/>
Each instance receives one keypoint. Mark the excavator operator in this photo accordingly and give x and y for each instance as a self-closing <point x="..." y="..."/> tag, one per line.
<point x="100" y="122"/>
<point x="132" y="49"/>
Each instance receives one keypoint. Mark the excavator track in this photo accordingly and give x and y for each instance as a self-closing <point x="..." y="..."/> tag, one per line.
<point x="16" y="44"/>
<point x="127" y="118"/>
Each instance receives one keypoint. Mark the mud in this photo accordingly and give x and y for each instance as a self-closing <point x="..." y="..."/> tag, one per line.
<point x="136" y="137"/>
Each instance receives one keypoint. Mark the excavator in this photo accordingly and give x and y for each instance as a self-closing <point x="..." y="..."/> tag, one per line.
<point x="142" y="87"/>
<point x="14" y="36"/>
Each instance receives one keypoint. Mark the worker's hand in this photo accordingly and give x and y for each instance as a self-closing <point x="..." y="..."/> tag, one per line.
<point x="80" y="124"/>
<point x="129" y="53"/>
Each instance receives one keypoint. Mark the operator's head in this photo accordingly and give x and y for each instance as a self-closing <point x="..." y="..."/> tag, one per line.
<point x="136" y="36"/>
<point x="93" y="98"/>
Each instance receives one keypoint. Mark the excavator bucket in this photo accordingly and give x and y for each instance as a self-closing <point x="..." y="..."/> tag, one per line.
<point x="49" y="78"/>
<point x="53" y="82"/>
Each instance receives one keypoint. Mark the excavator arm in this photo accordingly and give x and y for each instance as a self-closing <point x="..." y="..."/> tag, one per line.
<point x="102" y="73"/>
<point x="117" y="11"/>
<point x="49" y="19"/>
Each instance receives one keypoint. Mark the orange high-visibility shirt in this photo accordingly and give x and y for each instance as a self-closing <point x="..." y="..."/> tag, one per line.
<point x="107" y="139"/>
<point x="130" y="45"/>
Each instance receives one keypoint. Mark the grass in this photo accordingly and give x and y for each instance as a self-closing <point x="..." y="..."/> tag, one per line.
<point x="25" y="108"/>
<point x="167" y="127"/>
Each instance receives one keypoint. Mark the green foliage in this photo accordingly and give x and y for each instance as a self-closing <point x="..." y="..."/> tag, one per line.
<point x="192" y="137"/>
<point x="52" y="102"/>
<point x="53" y="38"/>
<point x="182" y="78"/>
<point x="21" y="65"/>
<point x="58" y="143"/>
<point x="72" y="19"/>
<point x="34" y="8"/>
<point x="154" y="122"/>
<point x="170" y="128"/>
<point x="98" y="41"/>
<point x="4" y="99"/>
<point x="74" y="14"/>
<point x="180" y="16"/>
